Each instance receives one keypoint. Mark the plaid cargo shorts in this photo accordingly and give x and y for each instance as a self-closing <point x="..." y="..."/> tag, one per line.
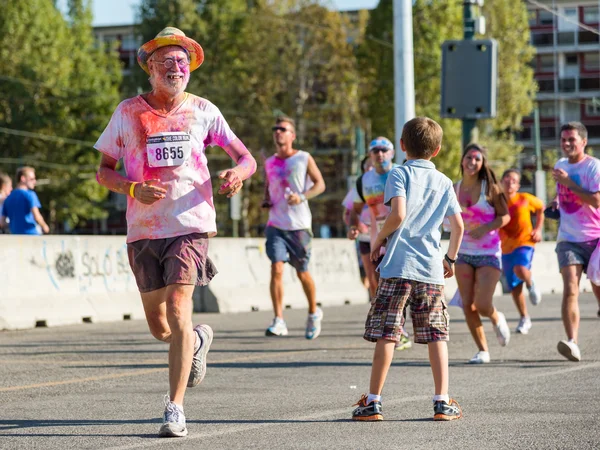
<point x="428" y="311"/>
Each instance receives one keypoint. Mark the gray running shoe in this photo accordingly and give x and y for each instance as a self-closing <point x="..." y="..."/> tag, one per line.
<point x="502" y="330"/>
<point x="367" y="412"/>
<point x="446" y="411"/>
<point x="313" y="324"/>
<point x="535" y="295"/>
<point x="199" y="362"/>
<point x="173" y="421"/>
<point x="569" y="350"/>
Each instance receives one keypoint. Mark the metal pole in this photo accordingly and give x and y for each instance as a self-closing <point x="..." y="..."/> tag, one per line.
<point x="540" y="175"/>
<point x="469" y="34"/>
<point x="404" y="73"/>
<point x="537" y="143"/>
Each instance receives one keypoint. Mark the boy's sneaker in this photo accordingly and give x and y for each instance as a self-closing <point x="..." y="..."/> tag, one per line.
<point x="524" y="325"/>
<point x="367" y="412"/>
<point x="205" y="333"/>
<point x="404" y="343"/>
<point x="277" y="328"/>
<point x="173" y="421"/>
<point x="502" y="330"/>
<point x="446" y="411"/>
<point x="569" y="350"/>
<point x="313" y="324"/>
<point x="535" y="295"/>
<point x="480" y="358"/>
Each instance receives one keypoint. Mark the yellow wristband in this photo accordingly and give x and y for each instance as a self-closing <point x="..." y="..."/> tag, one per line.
<point x="131" y="189"/>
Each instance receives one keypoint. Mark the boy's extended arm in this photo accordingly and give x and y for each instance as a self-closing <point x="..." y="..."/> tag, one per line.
<point x="392" y="223"/>
<point x="457" y="229"/>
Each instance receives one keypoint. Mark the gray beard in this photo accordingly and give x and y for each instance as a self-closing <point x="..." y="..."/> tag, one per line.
<point x="166" y="87"/>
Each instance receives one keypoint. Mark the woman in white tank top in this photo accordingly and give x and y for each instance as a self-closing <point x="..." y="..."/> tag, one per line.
<point x="478" y="266"/>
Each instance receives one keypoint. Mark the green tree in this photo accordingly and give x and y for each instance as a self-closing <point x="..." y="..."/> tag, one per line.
<point x="60" y="89"/>
<point x="435" y="21"/>
<point x="265" y="58"/>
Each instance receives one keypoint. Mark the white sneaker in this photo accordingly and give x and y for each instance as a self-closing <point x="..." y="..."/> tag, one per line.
<point x="524" y="325"/>
<point x="480" y="358"/>
<point x="173" y="421"/>
<point x="569" y="350"/>
<point x="313" y="324"/>
<point x="277" y="328"/>
<point x="502" y="330"/>
<point x="535" y="296"/>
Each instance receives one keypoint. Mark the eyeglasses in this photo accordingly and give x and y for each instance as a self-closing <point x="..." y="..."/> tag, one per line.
<point x="379" y="150"/>
<point x="282" y="129"/>
<point x="169" y="63"/>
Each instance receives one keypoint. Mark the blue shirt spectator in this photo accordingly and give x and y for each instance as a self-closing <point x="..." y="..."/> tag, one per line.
<point x="18" y="208"/>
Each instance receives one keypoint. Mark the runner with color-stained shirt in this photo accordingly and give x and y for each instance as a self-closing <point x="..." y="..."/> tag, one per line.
<point x="479" y="265"/>
<point x="577" y="179"/>
<point x="292" y="179"/>
<point x="161" y="136"/>
<point x="348" y="204"/>
<point x="369" y="209"/>
<point x="519" y="237"/>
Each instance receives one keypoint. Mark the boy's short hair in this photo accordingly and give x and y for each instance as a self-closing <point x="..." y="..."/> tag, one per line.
<point x="21" y="171"/>
<point x="578" y="126"/>
<point x="421" y="137"/>
<point x="512" y="170"/>
<point x="286" y="119"/>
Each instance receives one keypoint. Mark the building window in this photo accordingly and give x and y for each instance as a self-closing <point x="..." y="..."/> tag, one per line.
<point x="592" y="107"/>
<point x="591" y="61"/>
<point x="572" y="111"/>
<point x="545" y="17"/>
<point x="590" y="14"/>
<point x="546" y="63"/>
<point x="571" y="59"/>
<point x="571" y="13"/>
<point x="547" y="109"/>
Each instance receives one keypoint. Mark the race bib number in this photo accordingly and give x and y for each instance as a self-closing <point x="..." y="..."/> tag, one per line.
<point x="168" y="149"/>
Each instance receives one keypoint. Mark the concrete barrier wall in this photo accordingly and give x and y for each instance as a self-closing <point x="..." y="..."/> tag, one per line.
<point x="60" y="280"/>
<point x="245" y="271"/>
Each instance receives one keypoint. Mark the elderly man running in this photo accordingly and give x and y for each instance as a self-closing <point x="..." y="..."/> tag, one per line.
<point x="161" y="137"/>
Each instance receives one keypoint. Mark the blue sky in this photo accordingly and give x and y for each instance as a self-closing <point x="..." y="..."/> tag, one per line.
<point x="119" y="12"/>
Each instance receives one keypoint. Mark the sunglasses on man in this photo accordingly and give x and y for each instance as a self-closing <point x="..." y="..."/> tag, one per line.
<point x="379" y="150"/>
<point x="282" y="129"/>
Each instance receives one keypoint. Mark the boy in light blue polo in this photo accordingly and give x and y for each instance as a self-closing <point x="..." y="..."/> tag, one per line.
<point x="414" y="267"/>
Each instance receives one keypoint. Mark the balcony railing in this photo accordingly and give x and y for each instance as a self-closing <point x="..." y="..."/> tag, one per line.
<point x="549" y="132"/>
<point x="566" y="38"/>
<point x="570" y="85"/>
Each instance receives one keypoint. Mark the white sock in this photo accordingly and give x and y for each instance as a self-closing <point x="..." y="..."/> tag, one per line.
<point x="373" y="398"/>
<point x="572" y="341"/>
<point x="445" y="398"/>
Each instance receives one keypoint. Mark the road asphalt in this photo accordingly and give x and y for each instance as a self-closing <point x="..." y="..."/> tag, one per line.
<point x="101" y="386"/>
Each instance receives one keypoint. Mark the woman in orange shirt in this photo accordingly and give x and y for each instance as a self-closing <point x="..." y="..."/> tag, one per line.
<point x="518" y="240"/>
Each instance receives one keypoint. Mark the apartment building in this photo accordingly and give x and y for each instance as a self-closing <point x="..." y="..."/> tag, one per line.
<point x="127" y="43"/>
<point x="567" y="70"/>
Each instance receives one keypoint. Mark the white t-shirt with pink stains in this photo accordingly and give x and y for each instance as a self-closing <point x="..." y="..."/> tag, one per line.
<point x="289" y="173"/>
<point x="579" y="222"/>
<point x="169" y="147"/>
